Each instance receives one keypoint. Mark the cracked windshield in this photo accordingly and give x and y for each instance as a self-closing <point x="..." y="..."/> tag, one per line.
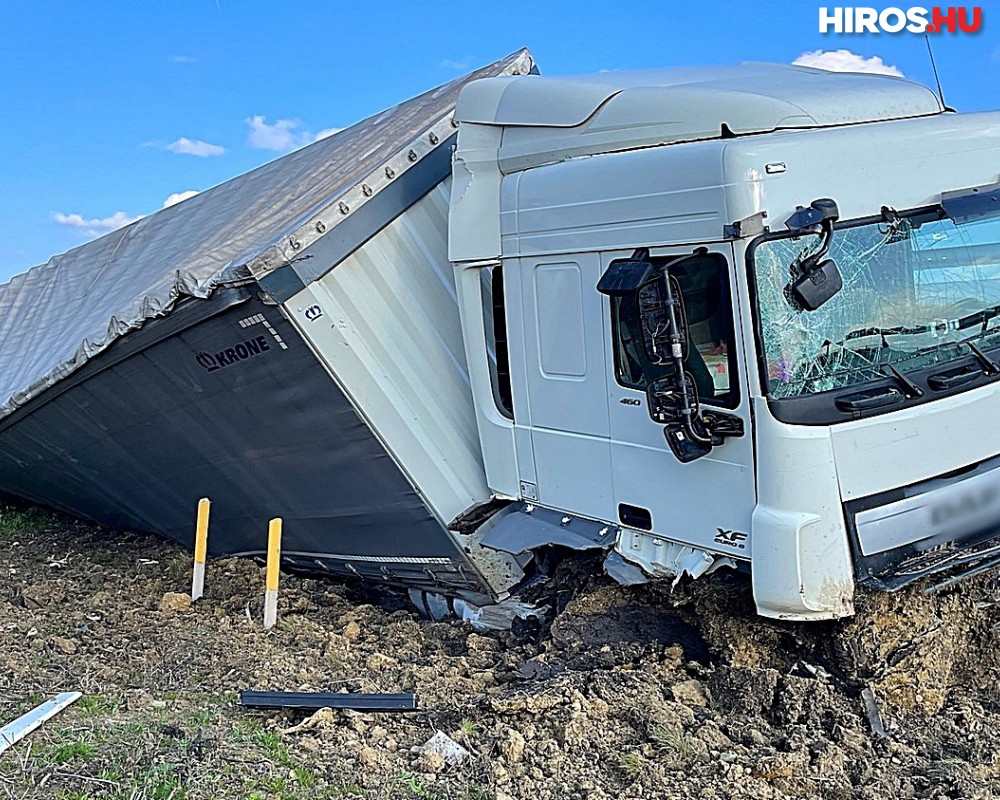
<point x="918" y="291"/>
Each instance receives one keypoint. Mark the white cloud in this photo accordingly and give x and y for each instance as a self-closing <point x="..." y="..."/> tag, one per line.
<point x="178" y="197"/>
<point x="95" y="226"/>
<point x="181" y="59"/>
<point x="282" y="135"/>
<point x="195" y="147"/>
<point x="846" y="61"/>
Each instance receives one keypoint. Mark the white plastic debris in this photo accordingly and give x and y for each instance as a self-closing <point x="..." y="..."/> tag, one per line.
<point x="15" y="731"/>
<point x="497" y="617"/>
<point x="446" y="747"/>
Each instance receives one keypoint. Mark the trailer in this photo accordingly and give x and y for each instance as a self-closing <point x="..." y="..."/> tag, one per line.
<point x="152" y="367"/>
<point x="691" y="319"/>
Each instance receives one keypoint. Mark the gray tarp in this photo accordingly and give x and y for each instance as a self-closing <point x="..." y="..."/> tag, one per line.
<point x="57" y="316"/>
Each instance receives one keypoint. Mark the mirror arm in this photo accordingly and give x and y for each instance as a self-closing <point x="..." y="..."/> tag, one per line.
<point x="811" y="262"/>
<point x="677" y="351"/>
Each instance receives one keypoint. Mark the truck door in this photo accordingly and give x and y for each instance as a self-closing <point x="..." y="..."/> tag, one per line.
<point x="708" y="502"/>
<point x="563" y="324"/>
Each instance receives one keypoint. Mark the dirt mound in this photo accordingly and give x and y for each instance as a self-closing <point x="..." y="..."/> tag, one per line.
<point x="620" y="693"/>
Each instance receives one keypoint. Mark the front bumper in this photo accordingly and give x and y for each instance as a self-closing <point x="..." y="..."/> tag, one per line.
<point x="946" y="528"/>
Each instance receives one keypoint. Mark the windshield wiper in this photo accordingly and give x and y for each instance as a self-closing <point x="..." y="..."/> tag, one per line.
<point x="938" y="326"/>
<point x="979" y="317"/>
<point x="990" y="367"/>
<point x="910" y="389"/>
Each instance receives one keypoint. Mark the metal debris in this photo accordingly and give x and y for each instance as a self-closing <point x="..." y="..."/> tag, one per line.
<point x="624" y="572"/>
<point x="874" y="716"/>
<point x="499" y="616"/>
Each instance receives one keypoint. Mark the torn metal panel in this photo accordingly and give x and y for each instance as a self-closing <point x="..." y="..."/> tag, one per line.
<point x="624" y="572"/>
<point x="661" y="558"/>
<point x="532" y="527"/>
<point x="502" y="571"/>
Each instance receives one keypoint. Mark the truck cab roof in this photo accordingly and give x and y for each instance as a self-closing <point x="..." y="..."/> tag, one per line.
<point x="549" y="119"/>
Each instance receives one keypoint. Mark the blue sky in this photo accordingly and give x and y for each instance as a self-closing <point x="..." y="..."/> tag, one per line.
<point x="112" y="107"/>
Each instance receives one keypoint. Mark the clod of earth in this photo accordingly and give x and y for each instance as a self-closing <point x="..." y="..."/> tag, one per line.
<point x="175" y="602"/>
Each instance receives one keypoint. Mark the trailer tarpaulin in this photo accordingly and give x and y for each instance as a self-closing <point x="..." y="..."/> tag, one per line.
<point x="58" y="315"/>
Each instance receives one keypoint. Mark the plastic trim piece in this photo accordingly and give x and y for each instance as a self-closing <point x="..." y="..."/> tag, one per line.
<point x="313" y="701"/>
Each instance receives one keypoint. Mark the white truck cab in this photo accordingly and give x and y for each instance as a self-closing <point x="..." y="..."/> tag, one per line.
<point x="743" y="317"/>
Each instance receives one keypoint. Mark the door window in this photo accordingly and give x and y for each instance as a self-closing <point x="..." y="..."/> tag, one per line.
<point x="497" y="349"/>
<point x="704" y="282"/>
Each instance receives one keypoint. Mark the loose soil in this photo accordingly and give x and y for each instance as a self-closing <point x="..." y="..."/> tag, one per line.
<point x="638" y="692"/>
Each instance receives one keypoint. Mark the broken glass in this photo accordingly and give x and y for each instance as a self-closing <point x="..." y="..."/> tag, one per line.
<point x="915" y="291"/>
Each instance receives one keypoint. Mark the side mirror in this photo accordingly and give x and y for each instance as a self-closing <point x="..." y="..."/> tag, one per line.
<point x="665" y="398"/>
<point x="673" y="402"/>
<point x="625" y="278"/>
<point x="637" y="277"/>
<point x="813" y="288"/>
<point x="816" y="279"/>
<point x="672" y="399"/>
<point x="690" y="431"/>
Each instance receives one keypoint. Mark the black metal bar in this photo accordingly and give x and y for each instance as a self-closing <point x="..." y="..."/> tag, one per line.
<point x="317" y="700"/>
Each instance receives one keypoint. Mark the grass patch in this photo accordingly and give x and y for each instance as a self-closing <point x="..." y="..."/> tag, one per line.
<point x="95" y="705"/>
<point x="70" y="751"/>
<point x="631" y="764"/>
<point x="163" y="783"/>
<point x="275" y="749"/>
<point x="417" y="787"/>
<point x="19" y="521"/>
<point x="304" y="777"/>
<point x="674" y="740"/>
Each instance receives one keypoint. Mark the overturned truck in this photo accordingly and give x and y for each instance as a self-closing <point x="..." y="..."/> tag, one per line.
<point x="732" y="317"/>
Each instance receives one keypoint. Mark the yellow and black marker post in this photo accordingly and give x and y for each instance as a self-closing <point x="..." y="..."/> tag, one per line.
<point x="200" y="549"/>
<point x="273" y="570"/>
